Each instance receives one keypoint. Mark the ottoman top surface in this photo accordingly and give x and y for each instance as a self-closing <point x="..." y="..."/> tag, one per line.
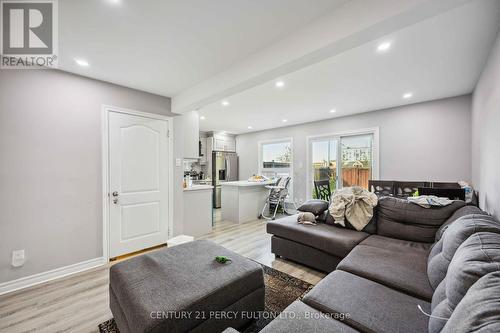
<point x="182" y="278"/>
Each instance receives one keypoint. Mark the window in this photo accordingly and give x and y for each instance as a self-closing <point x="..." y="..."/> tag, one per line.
<point x="344" y="160"/>
<point x="275" y="159"/>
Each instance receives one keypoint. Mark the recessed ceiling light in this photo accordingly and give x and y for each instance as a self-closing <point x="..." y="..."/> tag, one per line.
<point x="82" y="62"/>
<point x="333" y="111"/>
<point x="279" y="84"/>
<point x="407" y="95"/>
<point x="382" y="47"/>
<point x="115" y="1"/>
<point x="249" y="127"/>
<point x="202" y="117"/>
<point x="224" y="103"/>
<point x="284" y="120"/>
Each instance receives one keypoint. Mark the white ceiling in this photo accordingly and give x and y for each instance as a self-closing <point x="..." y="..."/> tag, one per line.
<point x="165" y="46"/>
<point x="436" y="58"/>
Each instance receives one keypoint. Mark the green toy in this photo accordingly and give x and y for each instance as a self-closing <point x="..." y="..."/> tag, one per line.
<point x="222" y="259"/>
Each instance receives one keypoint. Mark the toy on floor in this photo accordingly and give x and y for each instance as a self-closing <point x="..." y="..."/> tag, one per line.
<point x="222" y="259"/>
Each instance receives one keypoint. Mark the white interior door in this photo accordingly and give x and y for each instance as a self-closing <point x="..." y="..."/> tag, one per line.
<point x="138" y="182"/>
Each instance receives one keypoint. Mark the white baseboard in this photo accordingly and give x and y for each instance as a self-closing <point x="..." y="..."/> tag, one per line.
<point x="28" y="281"/>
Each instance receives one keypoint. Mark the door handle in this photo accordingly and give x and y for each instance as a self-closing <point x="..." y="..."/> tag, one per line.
<point x="115" y="194"/>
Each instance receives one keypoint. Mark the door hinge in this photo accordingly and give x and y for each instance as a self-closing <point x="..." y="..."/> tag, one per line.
<point x="168" y="133"/>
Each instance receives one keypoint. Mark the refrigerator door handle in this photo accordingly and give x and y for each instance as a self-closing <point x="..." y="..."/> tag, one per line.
<point x="228" y="168"/>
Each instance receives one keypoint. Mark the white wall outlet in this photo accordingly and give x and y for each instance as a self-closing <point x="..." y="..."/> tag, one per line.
<point x="18" y="258"/>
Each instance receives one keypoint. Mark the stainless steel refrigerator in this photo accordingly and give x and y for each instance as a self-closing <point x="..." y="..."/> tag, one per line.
<point x="224" y="169"/>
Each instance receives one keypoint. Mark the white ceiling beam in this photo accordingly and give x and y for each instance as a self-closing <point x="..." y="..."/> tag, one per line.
<point x="355" y="23"/>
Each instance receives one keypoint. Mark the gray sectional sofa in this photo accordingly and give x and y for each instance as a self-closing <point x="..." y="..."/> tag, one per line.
<point x="411" y="269"/>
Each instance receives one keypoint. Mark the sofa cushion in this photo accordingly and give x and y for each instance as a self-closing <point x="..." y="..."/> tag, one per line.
<point x="479" y="309"/>
<point x="442" y="252"/>
<point x="370" y="306"/>
<point x="300" y="317"/>
<point x="315" y="206"/>
<point x="336" y="241"/>
<point x="399" y="218"/>
<point x="466" y="210"/>
<point x="304" y="254"/>
<point x="399" y="264"/>
<point x="394" y="244"/>
<point x="476" y="257"/>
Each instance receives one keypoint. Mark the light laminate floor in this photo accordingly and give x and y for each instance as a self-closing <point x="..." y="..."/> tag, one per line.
<point x="79" y="302"/>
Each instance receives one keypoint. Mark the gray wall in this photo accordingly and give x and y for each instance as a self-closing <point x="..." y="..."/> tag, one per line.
<point x="486" y="134"/>
<point x="50" y="166"/>
<point x="178" y="177"/>
<point x="425" y="141"/>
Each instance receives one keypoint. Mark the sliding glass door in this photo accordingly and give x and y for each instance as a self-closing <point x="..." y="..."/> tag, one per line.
<point x="324" y="161"/>
<point x="343" y="160"/>
<point x="357" y="160"/>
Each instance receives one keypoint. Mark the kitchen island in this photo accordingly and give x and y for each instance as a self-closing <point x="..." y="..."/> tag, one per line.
<point x="242" y="201"/>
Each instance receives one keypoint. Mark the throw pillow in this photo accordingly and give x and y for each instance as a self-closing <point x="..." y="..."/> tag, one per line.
<point x="315" y="206"/>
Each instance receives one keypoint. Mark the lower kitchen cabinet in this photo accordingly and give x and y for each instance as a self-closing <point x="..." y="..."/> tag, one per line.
<point x="197" y="210"/>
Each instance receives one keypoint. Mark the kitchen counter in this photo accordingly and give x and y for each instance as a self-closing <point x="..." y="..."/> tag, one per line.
<point x="246" y="183"/>
<point x="198" y="188"/>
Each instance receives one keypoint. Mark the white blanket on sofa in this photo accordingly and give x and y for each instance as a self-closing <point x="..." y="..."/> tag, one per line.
<point x="354" y="203"/>
<point x="428" y="201"/>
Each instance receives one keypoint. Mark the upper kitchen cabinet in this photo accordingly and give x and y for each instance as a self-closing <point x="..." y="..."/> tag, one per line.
<point x="224" y="142"/>
<point x="191" y="134"/>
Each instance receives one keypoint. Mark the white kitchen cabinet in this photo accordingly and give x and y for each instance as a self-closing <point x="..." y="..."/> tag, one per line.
<point x="197" y="210"/>
<point x="219" y="144"/>
<point x="230" y="145"/>
<point x="191" y="134"/>
<point x="224" y="143"/>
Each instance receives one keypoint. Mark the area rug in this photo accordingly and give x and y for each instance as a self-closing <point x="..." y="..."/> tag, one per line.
<point x="281" y="291"/>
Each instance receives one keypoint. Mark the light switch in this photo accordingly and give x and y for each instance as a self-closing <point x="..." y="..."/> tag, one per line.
<point x="178" y="162"/>
<point x="18" y="258"/>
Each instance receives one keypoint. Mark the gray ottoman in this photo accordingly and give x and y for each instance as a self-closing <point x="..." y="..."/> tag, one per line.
<point x="183" y="289"/>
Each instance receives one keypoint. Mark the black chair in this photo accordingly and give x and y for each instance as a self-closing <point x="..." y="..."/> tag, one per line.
<point x="407" y="189"/>
<point x="322" y="189"/>
<point x="444" y="185"/>
<point x="381" y="188"/>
